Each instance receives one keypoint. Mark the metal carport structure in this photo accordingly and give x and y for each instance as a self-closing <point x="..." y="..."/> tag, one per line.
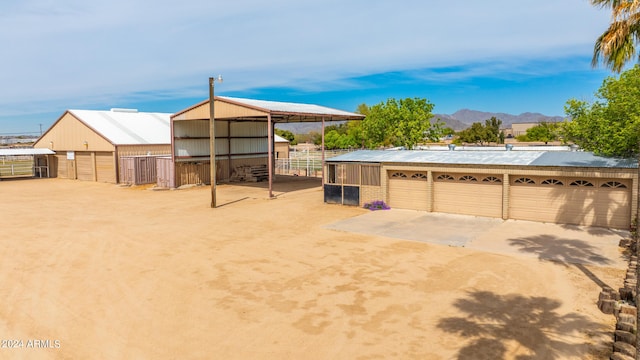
<point x="192" y="142"/>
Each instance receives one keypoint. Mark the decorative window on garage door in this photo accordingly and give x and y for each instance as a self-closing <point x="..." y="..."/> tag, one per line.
<point x="524" y="181"/>
<point x="419" y="176"/>
<point x="399" y="175"/>
<point x="468" y="178"/>
<point x="445" y="177"/>
<point x="553" y="182"/>
<point x="614" y="185"/>
<point x="581" y="183"/>
<point x="491" y="180"/>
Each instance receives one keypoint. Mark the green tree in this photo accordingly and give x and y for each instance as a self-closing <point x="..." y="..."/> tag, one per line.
<point x="610" y="125"/>
<point x="287" y="135"/>
<point x="544" y="131"/>
<point x="344" y="136"/>
<point x="481" y="134"/>
<point x="404" y="122"/>
<point x="332" y="140"/>
<point x="448" y="131"/>
<point x="617" y="45"/>
<point x="363" y="109"/>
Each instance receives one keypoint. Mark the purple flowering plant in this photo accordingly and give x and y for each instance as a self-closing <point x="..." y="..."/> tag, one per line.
<point x="376" y="205"/>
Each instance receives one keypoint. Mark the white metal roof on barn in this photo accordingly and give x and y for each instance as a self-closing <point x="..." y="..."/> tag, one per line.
<point x="287" y="107"/>
<point x="128" y="127"/>
<point x="489" y="157"/>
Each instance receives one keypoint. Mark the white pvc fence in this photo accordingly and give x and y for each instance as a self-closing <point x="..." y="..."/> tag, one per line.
<point x="305" y="163"/>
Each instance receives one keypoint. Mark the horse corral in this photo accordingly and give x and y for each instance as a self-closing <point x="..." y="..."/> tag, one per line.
<point x="109" y="272"/>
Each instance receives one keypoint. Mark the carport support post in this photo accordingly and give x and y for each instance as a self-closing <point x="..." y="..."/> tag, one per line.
<point x="212" y="139"/>
<point x="322" y="172"/>
<point x="270" y="154"/>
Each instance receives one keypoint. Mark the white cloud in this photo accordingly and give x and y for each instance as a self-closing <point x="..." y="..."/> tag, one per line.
<point x="61" y="51"/>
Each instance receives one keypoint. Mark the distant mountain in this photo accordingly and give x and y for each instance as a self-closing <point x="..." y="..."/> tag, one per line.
<point x="470" y="116"/>
<point x="459" y="120"/>
<point x="450" y="121"/>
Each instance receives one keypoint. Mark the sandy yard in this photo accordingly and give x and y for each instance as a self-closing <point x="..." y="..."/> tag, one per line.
<point x="97" y="271"/>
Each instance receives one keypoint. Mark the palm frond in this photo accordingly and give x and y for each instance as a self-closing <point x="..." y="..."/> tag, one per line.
<point x="617" y="45"/>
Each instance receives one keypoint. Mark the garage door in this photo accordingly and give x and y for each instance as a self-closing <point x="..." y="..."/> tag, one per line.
<point x="468" y="194"/>
<point x="84" y="165"/>
<point x="105" y="168"/>
<point x="591" y="202"/>
<point x="60" y="161"/>
<point x="408" y="190"/>
<point x="65" y="168"/>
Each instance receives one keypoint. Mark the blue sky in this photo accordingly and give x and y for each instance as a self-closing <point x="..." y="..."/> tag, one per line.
<point x="495" y="55"/>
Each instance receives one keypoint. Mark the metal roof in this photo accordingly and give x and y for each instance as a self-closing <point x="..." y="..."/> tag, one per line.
<point x="287" y="107"/>
<point x="18" y="152"/>
<point x="490" y="157"/>
<point x="279" y="139"/>
<point x="128" y="127"/>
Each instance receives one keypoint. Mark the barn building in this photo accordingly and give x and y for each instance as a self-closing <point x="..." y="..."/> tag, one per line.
<point x="89" y="144"/>
<point x="567" y="187"/>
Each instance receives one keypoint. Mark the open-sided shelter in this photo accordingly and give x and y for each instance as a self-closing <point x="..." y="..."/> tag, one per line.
<point x="88" y="144"/>
<point x="244" y="132"/>
<point x="24" y="162"/>
<point x="567" y="187"/>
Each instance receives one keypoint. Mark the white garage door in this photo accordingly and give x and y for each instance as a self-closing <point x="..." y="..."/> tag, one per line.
<point x="408" y="190"/>
<point x="592" y="202"/>
<point x="468" y="194"/>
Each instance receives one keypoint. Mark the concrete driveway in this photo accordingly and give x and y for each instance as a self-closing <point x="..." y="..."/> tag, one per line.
<point x="561" y="243"/>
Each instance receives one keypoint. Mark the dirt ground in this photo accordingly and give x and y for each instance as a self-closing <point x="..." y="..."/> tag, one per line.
<point x="97" y="271"/>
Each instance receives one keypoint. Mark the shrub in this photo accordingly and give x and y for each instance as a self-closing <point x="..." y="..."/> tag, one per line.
<point x="376" y="205"/>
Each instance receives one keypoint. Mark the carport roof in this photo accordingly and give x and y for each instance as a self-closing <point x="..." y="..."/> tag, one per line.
<point x="18" y="152"/>
<point x="491" y="157"/>
<point x="251" y="109"/>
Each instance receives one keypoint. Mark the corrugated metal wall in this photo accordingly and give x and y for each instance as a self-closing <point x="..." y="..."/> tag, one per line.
<point x="192" y="173"/>
<point x="238" y="143"/>
<point x="133" y="150"/>
<point x="138" y="170"/>
<point x="165" y="172"/>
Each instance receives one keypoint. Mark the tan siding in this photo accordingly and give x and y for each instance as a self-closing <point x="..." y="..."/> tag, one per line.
<point x="105" y="168"/>
<point x="70" y="133"/>
<point x="225" y="110"/>
<point x="221" y="109"/>
<point x="281" y="150"/>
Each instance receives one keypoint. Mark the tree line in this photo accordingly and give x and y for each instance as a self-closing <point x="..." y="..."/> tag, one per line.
<point x="407" y="123"/>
